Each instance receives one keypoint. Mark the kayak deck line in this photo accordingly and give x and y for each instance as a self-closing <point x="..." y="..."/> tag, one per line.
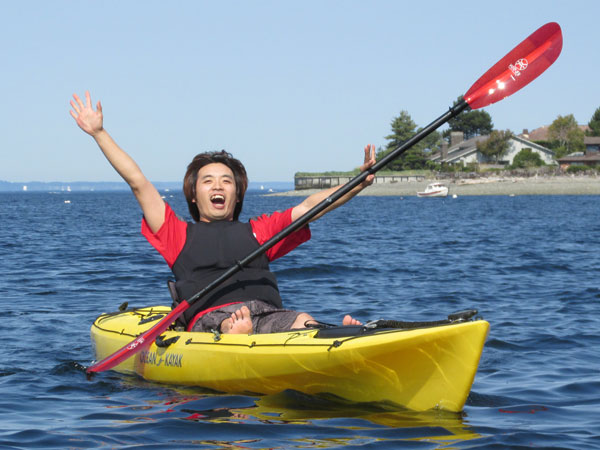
<point x="428" y="367"/>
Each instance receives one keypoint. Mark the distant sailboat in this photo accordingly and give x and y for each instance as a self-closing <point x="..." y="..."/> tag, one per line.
<point x="24" y="187"/>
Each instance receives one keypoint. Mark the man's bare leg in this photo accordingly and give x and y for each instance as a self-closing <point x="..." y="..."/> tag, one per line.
<point x="240" y="322"/>
<point x="302" y="318"/>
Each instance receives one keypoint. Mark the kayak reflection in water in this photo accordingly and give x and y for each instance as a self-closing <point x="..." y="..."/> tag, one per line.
<point x="199" y="252"/>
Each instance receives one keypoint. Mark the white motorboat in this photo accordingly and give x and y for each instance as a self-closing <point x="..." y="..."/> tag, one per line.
<point x="434" y="190"/>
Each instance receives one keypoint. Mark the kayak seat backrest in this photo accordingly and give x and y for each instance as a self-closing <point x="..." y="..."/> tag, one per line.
<point x="173" y="292"/>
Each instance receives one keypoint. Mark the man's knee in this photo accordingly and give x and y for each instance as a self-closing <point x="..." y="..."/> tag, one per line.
<point x="301" y="320"/>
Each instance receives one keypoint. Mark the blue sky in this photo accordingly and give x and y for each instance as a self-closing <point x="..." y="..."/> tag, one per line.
<point x="285" y="86"/>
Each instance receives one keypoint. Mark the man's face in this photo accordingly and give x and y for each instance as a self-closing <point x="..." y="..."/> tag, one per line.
<point x="216" y="196"/>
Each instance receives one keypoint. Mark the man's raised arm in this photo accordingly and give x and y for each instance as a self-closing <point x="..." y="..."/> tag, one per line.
<point x="90" y="121"/>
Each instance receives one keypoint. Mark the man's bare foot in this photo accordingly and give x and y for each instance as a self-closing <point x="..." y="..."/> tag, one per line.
<point x="349" y="320"/>
<point x="239" y="323"/>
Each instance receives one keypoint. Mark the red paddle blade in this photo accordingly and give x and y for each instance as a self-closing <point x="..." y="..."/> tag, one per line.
<point x="518" y="68"/>
<point x="142" y="341"/>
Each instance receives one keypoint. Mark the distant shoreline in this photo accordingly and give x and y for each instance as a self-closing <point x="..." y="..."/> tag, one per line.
<point x="540" y="185"/>
<point x="118" y="186"/>
<point x="507" y="185"/>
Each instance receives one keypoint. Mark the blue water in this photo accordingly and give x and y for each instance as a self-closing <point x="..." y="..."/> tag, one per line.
<point x="530" y="265"/>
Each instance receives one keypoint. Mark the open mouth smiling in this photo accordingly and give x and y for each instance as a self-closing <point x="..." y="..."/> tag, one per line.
<point x="217" y="199"/>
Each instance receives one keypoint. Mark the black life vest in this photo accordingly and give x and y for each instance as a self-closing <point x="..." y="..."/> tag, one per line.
<point x="211" y="249"/>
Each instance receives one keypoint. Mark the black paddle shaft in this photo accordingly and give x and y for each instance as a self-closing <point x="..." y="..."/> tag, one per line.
<point x="320" y="207"/>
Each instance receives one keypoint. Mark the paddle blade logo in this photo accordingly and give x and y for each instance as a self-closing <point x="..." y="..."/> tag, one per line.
<point x="518" y="67"/>
<point x="135" y="343"/>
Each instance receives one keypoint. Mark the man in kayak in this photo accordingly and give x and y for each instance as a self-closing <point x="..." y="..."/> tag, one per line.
<point x="199" y="252"/>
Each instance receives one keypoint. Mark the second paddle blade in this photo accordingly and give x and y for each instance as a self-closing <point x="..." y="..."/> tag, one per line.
<point x="143" y="341"/>
<point x="518" y="68"/>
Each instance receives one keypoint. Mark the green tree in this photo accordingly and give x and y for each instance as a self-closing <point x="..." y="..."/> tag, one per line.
<point x="594" y="124"/>
<point x="471" y="123"/>
<point x="565" y="136"/>
<point x="527" y="158"/>
<point x="432" y="142"/>
<point x="403" y="128"/>
<point x="496" y="145"/>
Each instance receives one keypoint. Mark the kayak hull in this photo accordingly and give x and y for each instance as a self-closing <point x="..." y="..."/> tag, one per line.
<point x="418" y="369"/>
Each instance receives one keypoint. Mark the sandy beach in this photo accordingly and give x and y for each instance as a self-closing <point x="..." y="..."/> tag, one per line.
<point x="541" y="185"/>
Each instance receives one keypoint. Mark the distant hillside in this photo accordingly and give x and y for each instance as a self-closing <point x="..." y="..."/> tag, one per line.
<point x="75" y="186"/>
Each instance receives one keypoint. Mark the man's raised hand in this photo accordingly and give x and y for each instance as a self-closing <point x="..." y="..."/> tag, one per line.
<point x="88" y="120"/>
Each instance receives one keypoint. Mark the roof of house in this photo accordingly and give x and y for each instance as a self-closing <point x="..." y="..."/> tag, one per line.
<point x="468" y="147"/>
<point x="591" y="157"/>
<point x="459" y="150"/>
<point x="591" y="140"/>
<point x="541" y="133"/>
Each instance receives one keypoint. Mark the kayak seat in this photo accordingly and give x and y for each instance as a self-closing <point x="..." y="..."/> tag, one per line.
<point x="173" y="292"/>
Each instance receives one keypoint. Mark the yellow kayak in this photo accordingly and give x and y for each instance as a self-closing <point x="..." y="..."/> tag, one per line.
<point x="419" y="369"/>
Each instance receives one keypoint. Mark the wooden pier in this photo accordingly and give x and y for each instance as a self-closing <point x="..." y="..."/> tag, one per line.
<point x="326" y="181"/>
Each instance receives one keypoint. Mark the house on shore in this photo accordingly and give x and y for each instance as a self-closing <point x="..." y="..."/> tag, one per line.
<point x="579" y="159"/>
<point x="465" y="151"/>
<point x="590" y="157"/>
<point x="592" y="143"/>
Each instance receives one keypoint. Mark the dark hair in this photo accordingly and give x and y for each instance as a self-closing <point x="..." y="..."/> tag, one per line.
<point x="204" y="159"/>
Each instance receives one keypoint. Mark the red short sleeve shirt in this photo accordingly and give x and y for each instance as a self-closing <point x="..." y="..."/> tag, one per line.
<point x="170" y="238"/>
